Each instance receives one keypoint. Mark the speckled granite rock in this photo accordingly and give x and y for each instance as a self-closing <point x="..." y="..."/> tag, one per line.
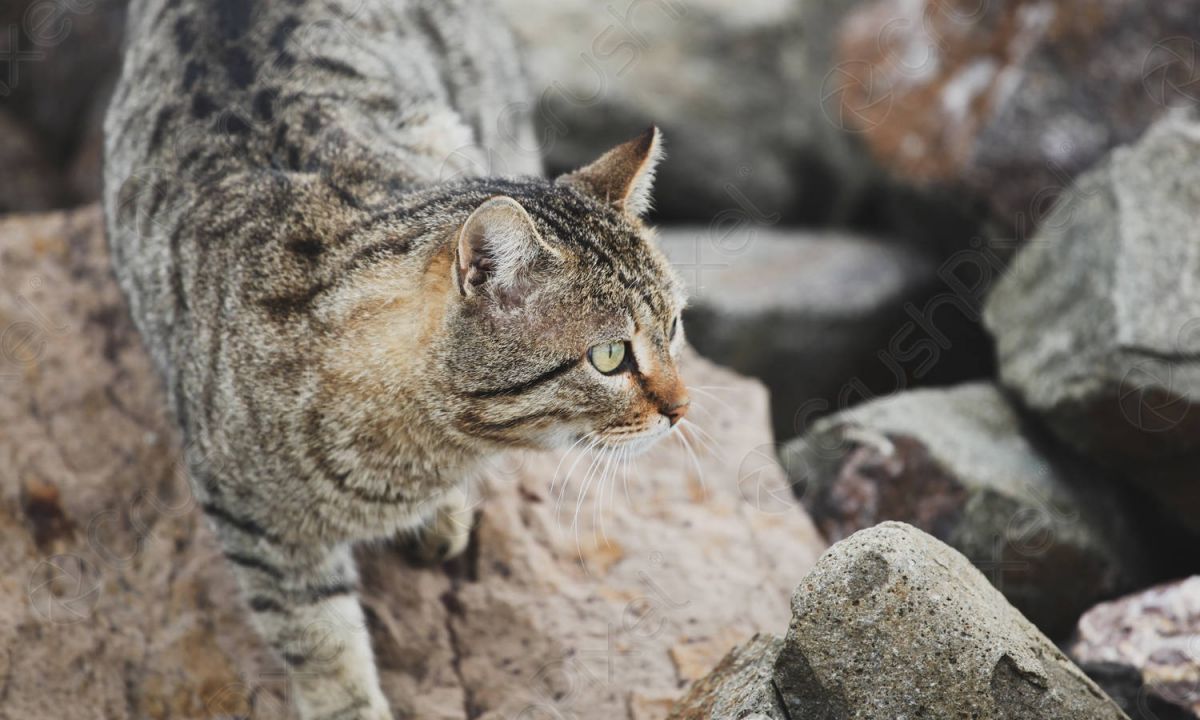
<point x="1097" y="324"/>
<point x="1153" y="635"/>
<point x="892" y="623"/>
<point x="115" y="602"/>
<point x="1046" y="530"/>
<point x="739" y="688"/>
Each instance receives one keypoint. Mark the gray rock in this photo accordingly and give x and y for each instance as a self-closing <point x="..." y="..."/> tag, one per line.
<point x="1097" y="324"/>
<point x="1148" y="646"/>
<point x="1005" y="102"/>
<point x="739" y="688"/>
<point x="1048" y="531"/>
<point x="603" y="72"/>
<point x="804" y="312"/>
<point x="891" y="623"/>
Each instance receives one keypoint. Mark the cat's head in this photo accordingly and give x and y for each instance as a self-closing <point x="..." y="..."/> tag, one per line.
<point x="567" y="321"/>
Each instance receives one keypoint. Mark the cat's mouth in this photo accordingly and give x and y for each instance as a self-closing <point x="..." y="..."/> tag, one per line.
<point x="636" y="439"/>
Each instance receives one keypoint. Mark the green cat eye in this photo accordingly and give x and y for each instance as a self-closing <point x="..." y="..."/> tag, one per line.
<point x="607" y="357"/>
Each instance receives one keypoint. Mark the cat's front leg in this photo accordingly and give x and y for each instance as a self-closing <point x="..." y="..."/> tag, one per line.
<point x="305" y="604"/>
<point x="448" y="532"/>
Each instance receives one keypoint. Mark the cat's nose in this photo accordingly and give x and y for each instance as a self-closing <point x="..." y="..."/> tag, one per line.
<point x="676" y="411"/>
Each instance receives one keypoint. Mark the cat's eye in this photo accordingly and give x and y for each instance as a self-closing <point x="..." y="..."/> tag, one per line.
<point x="607" y="357"/>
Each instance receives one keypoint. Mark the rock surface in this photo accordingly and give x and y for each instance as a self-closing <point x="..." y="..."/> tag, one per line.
<point x="1048" y="532"/>
<point x="766" y="146"/>
<point x="803" y="312"/>
<point x="28" y="182"/>
<point x="1097" y="324"/>
<point x="892" y="623"/>
<point x="1154" y="635"/>
<point x="740" y="687"/>
<point x="602" y="73"/>
<point x="1008" y="100"/>
<point x="116" y="603"/>
<point x="63" y="59"/>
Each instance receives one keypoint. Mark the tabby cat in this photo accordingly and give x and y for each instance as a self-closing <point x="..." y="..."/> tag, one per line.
<point x="349" y="314"/>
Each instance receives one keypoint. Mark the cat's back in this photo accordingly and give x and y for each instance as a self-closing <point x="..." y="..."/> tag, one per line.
<point x="214" y="85"/>
<point x="231" y="113"/>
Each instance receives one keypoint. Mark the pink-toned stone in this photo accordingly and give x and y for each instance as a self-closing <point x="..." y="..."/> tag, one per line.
<point x="1009" y="100"/>
<point x="1156" y="633"/>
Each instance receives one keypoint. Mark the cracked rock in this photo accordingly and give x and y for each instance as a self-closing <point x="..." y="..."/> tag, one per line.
<point x="892" y="623"/>
<point x="117" y="603"/>
<point x="1097" y="324"/>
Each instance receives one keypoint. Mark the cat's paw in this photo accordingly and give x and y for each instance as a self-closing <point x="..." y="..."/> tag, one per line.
<point x="448" y="533"/>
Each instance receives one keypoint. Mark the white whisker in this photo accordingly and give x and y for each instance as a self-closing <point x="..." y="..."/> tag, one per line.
<point x="628" y="459"/>
<point x="701" y="408"/>
<point x="712" y="397"/>
<point x="726" y="388"/>
<point x="598" y="508"/>
<point x="558" y="467"/>
<point x="567" y="478"/>
<point x="695" y="461"/>
<point x="703" y="438"/>
<point x="583" y="489"/>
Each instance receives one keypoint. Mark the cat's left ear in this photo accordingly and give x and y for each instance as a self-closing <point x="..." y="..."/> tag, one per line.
<point x="497" y="248"/>
<point x="624" y="176"/>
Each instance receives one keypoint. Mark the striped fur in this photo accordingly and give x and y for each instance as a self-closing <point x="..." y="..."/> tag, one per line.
<point x="288" y="190"/>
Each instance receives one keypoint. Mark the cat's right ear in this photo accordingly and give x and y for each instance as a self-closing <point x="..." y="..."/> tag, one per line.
<point x="497" y="247"/>
<point x="624" y="176"/>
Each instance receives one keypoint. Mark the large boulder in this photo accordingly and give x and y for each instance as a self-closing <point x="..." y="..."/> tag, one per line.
<point x="1049" y="532"/>
<point x="601" y="73"/>
<point x="1007" y="101"/>
<point x="116" y="601"/>
<point x="1097" y="324"/>
<point x="815" y="315"/>
<point x="892" y="623"/>
<point x="1145" y="649"/>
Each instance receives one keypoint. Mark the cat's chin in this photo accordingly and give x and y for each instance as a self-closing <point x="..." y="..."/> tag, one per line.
<point x="637" y="444"/>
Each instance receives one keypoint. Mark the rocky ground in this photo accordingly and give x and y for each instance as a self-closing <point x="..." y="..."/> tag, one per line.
<point x="956" y="241"/>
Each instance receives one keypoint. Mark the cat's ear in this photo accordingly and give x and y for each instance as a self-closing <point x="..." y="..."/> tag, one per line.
<point x="624" y="176"/>
<point x="497" y="247"/>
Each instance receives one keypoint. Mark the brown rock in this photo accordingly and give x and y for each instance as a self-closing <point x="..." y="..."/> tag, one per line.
<point x="1008" y="100"/>
<point x="1154" y="634"/>
<point x="126" y="610"/>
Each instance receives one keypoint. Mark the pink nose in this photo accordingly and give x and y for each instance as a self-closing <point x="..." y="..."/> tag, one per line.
<point x="676" y="412"/>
